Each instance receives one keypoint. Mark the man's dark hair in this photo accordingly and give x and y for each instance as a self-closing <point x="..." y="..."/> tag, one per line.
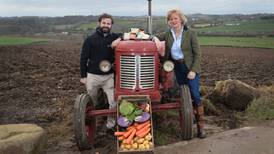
<point x="105" y="15"/>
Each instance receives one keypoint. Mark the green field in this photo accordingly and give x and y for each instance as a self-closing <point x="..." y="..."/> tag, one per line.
<point x="13" y="40"/>
<point x="241" y="26"/>
<point x="120" y="25"/>
<point x="87" y="26"/>
<point x="257" y="42"/>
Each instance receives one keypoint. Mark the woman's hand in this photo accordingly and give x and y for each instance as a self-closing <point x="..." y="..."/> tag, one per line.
<point x="157" y="42"/>
<point x="191" y="75"/>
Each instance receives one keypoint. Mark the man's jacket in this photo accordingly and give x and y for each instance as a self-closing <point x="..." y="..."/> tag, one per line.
<point x="96" y="48"/>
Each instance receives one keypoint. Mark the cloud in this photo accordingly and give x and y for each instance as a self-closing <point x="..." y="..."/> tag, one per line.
<point x="130" y="7"/>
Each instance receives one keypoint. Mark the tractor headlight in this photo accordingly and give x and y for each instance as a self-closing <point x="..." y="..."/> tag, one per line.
<point x="105" y="66"/>
<point x="168" y="66"/>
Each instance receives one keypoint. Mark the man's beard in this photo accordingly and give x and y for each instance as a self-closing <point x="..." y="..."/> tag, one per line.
<point x="105" y="29"/>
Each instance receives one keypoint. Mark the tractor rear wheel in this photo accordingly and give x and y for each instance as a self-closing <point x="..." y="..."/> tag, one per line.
<point x="186" y="113"/>
<point x="84" y="126"/>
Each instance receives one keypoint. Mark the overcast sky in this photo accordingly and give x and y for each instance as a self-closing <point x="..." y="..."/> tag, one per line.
<point x="130" y="7"/>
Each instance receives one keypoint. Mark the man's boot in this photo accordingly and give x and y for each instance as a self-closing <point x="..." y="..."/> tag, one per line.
<point x="200" y="120"/>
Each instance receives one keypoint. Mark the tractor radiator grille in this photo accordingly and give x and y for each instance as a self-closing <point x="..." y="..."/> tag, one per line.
<point x="128" y="72"/>
<point x="146" y="72"/>
<point x="137" y="68"/>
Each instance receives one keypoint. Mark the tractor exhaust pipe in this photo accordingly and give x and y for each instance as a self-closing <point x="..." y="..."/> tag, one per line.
<point x="149" y="20"/>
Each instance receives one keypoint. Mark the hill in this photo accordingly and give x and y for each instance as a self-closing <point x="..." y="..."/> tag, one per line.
<point x="234" y="24"/>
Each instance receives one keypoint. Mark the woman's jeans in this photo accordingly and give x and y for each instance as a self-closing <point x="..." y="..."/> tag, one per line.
<point x="181" y="72"/>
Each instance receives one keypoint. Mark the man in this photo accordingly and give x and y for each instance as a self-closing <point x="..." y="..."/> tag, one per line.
<point x="98" y="51"/>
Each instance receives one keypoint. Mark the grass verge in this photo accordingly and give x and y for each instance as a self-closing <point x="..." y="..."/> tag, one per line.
<point x="261" y="109"/>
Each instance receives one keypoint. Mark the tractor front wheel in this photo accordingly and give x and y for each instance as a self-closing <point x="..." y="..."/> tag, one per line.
<point x="186" y="113"/>
<point x="84" y="126"/>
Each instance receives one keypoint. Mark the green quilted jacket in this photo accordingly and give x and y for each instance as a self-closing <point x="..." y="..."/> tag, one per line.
<point x="189" y="45"/>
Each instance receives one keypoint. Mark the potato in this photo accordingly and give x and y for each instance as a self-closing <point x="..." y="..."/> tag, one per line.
<point x="128" y="146"/>
<point x="146" y="142"/>
<point x="146" y="146"/>
<point x="140" y="140"/>
<point x="122" y="146"/>
<point x="135" y="146"/>
<point x="141" y="146"/>
<point x="135" y="139"/>
<point x="124" y="142"/>
<point x="150" y="144"/>
<point x="148" y="137"/>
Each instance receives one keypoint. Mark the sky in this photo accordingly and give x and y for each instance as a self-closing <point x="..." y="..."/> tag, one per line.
<point x="9" y="8"/>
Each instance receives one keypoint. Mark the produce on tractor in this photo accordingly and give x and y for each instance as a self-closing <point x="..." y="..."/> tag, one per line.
<point x="135" y="126"/>
<point x="119" y="133"/>
<point x="142" y="125"/>
<point x="130" y="138"/>
<point x="123" y="121"/>
<point x="143" y="117"/>
<point x="136" y="137"/>
<point x="143" y="131"/>
<point x="129" y="111"/>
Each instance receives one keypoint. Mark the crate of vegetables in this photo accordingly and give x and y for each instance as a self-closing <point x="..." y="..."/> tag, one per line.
<point x="134" y="124"/>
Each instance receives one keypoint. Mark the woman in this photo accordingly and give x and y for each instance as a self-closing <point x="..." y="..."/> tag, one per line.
<point x="181" y="46"/>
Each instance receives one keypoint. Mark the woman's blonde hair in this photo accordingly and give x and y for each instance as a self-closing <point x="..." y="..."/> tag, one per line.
<point x="177" y="12"/>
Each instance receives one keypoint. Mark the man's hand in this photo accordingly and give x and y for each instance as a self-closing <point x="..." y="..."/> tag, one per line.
<point x="83" y="80"/>
<point x="115" y="43"/>
<point x="191" y="75"/>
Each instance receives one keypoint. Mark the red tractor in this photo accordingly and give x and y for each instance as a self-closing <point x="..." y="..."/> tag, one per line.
<point x="139" y="71"/>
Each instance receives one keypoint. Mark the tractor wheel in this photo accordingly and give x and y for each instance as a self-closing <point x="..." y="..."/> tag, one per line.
<point x="186" y="113"/>
<point x="84" y="126"/>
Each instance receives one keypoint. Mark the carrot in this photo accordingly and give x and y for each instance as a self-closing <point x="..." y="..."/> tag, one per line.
<point x="127" y="133"/>
<point x="143" y="129"/>
<point x="140" y="126"/>
<point x="130" y="127"/>
<point x="135" y="124"/>
<point x="118" y="133"/>
<point x="121" y="138"/>
<point x="144" y="133"/>
<point x="129" y="139"/>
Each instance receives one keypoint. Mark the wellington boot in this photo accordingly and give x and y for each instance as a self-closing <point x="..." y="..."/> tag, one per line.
<point x="200" y="118"/>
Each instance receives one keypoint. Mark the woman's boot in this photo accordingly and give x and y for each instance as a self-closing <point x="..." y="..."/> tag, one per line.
<point x="200" y="118"/>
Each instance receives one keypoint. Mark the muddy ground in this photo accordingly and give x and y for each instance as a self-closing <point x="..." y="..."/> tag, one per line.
<point x="39" y="82"/>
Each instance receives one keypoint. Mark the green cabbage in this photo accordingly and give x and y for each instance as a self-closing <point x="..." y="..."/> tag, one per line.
<point x="126" y="108"/>
<point x="129" y="110"/>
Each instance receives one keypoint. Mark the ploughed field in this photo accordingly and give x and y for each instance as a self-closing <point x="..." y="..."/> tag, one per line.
<point x="38" y="83"/>
<point x="251" y="65"/>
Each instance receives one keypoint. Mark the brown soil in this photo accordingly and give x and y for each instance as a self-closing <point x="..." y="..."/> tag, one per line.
<point x="250" y="65"/>
<point x="38" y="83"/>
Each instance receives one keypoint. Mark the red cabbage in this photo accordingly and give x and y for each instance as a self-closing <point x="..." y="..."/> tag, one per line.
<point x="123" y="121"/>
<point x="143" y="117"/>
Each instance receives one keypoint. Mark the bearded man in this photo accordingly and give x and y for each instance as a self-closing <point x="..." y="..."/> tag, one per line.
<point x="97" y="57"/>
